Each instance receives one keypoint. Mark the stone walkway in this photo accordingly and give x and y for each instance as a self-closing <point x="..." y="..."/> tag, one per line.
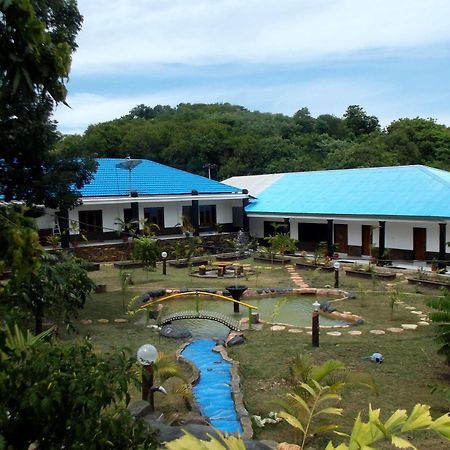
<point x="296" y="278"/>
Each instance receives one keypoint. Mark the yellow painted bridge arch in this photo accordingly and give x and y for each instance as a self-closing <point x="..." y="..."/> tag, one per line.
<point x="198" y="313"/>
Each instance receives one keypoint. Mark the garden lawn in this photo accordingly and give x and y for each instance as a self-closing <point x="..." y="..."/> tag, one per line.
<point x="411" y="363"/>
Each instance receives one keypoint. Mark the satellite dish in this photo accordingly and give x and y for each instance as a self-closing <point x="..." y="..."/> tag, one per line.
<point x="129" y="164"/>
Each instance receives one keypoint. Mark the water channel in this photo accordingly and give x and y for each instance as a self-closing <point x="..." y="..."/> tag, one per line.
<point x="213" y="391"/>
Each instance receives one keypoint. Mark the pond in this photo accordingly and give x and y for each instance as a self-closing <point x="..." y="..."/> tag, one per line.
<point x="292" y="310"/>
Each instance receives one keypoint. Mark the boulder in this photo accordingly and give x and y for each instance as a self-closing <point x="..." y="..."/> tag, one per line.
<point x="175" y="331"/>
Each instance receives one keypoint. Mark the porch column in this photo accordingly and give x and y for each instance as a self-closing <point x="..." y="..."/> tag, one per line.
<point x="135" y="209"/>
<point x="382" y="239"/>
<point x="442" y="245"/>
<point x="194" y="218"/>
<point x="330" y="247"/>
<point x="245" y="221"/>
<point x="63" y="222"/>
<point x="287" y="226"/>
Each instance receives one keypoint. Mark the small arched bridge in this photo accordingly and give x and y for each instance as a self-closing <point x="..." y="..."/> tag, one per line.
<point x="198" y="314"/>
<point x="202" y="314"/>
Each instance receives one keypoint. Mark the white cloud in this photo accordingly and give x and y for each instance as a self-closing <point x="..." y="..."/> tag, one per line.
<point x="322" y="96"/>
<point x="123" y="35"/>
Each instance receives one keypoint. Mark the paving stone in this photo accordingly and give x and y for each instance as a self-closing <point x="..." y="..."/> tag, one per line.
<point x="423" y="324"/>
<point x="355" y="333"/>
<point x="409" y="326"/>
<point x="104" y="321"/>
<point x="334" y="333"/>
<point x="86" y="322"/>
<point x="295" y="330"/>
<point x="410" y="307"/>
<point x="379" y="332"/>
<point x="277" y="327"/>
<point x="120" y="320"/>
<point x="416" y="312"/>
<point x="309" y="332"/>
<point x="395" y="330"/>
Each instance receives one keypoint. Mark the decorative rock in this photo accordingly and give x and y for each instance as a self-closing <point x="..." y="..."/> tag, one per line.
<point x="409" y="326"/>
<point x="395" y="330"/>
<point x="86" y="322"/>
<point x="104" y="321"/>
<point x="277" y="328"/>
<point x="355" y="333"/>
<point x="175" y="331"/>
<point x="295" y="330"/>
<point x="423" y="324"/>
<point x="379" y="332"/>
<point x="334" y="333"/>
<point x="120" y="320"/>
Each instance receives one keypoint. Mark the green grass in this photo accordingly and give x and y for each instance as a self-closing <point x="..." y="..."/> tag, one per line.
<point x="411" y="362"/>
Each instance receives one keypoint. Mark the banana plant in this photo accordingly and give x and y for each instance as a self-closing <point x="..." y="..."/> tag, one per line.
<point x="365" y="434"/>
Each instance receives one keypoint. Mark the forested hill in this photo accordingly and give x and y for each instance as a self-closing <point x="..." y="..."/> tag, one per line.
<point x="240" y="142"/>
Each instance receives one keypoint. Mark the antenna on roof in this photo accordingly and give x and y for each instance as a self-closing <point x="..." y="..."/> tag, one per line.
<point x="129" y="164"/>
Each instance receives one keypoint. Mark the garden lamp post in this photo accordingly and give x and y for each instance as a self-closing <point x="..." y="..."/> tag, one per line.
<point x="164" y="261"/>
<point x="146" y="356"/>
<point x="337" y="266"/>
<point x="315" y="324"/>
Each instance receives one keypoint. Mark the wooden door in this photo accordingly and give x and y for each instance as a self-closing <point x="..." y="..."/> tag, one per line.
<point x="341" y="238"/>
<point x="420" y="244"/>
<point x="366" y="238"/>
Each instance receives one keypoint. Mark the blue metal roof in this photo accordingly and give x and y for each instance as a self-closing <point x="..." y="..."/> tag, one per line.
<point x="406" y="191"/>
<point x="148" y="178"/>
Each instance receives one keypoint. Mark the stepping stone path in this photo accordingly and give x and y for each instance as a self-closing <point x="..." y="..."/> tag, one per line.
<point x="410" y="307"/>
<point x="296" y="278"/>
<point x="417" y="312"/>
<point x="334" y="333"/>
<point x="379" y="332"/>
<point x="120" y="320"/>
<point x="423" y="324"/>
<point x="86" y="322"/>
<point x="103" y="321"/>
<point x="295" y="330"/>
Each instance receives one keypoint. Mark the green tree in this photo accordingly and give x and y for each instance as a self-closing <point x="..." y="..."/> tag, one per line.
<point x="66" y="396"/>
<point x="358" y="122"/>
<point x="57" y="290"/>
<point x="37" y="38"/>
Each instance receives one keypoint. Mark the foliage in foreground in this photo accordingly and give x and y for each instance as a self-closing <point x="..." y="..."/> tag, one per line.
<point x="442" y="318"/>
<point x="65" y="396"/>
<point x="363" y="435"/>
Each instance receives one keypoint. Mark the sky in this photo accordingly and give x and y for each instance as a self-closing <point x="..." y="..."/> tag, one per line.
<point x="392" y="57"/>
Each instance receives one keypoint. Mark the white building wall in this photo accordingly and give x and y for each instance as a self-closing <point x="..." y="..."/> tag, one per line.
<point x="47" y="220"/>
<point x="173" y="212"/>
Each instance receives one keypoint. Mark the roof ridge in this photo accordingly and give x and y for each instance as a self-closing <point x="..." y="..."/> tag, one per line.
<point x="431" y="173"/>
